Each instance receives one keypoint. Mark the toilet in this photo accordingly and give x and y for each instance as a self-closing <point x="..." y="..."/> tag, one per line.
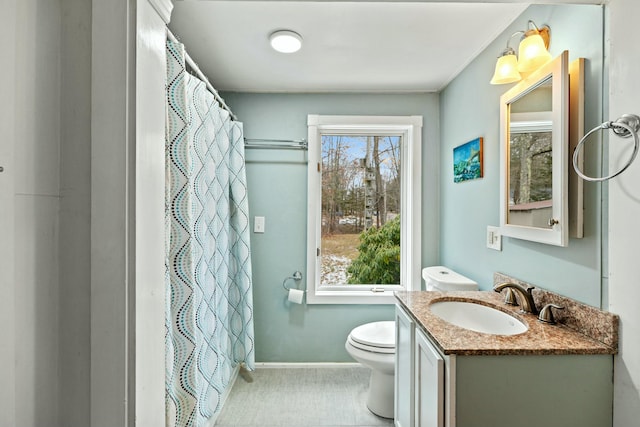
<point x="439" y="278"/>
<point x="373" y="344"/>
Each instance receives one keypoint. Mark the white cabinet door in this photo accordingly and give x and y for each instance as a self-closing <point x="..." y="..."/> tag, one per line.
<point x="404" y="381"/>
<point x="429" y="387"/>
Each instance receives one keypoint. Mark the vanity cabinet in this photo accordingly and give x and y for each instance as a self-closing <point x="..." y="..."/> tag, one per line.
<point x="419" y="377"/>
<point x="496" y="390"/>
<point x="430" y="382"/>
<point x="404" y="375"/>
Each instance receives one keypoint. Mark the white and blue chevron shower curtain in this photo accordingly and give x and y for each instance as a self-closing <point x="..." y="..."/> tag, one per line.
<point x="209" y="313"/>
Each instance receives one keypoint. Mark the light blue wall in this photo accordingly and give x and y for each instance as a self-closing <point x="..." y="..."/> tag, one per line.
<point x="454" y="217"/>
<point x="277" y="182"/>
<point x="470" y="108"/>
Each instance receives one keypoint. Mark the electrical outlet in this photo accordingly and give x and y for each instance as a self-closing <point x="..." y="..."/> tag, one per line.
<point x="494" y="238"/>
<point x="258" y="224"/>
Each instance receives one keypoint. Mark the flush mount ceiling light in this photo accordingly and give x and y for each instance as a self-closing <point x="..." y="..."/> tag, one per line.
<point x="285" y="41"/>
<point x="532" y="53"/>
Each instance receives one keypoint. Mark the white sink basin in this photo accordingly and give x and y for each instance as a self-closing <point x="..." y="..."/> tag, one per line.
<point x="478" y="317"/>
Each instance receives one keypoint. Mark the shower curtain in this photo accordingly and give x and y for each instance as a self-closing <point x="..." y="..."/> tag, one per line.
<point x="209" y="312"/>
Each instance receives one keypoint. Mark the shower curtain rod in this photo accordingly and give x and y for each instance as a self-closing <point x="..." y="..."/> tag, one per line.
<point x="292" y="144"/>
<point x="192" y="64"/>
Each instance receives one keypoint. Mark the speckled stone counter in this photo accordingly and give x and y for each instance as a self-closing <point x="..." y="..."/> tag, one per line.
<point x="539" y="339"/>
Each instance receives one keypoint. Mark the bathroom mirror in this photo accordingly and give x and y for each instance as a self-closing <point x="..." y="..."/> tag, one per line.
<point x="534" y="156"/>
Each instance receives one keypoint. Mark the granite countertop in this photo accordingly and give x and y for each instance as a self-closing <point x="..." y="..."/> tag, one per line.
<point x="540" y="338"/>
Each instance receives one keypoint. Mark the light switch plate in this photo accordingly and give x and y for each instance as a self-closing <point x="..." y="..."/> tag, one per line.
<point x="494" y="238"/>
<point x="258" y="224"/>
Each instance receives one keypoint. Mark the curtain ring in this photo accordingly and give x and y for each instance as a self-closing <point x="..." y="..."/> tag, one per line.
<point x="625" y="126"/>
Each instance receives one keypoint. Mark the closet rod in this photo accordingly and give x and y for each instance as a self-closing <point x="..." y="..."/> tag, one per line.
<point x="300" y="144"/>
<point x="201" y="76"/>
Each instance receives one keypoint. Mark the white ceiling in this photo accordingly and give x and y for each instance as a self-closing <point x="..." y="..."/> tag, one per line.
<point x="348" y="46"/>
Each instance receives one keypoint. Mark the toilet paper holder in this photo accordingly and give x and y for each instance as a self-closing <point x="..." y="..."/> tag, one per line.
<point x="297" y="276"/>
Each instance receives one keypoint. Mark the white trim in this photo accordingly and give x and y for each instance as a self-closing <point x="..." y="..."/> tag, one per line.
<point x="294" y="365"/>
<point x="149" y="230"/>
<point x="366" y="122"/>
<point x="163" y="8"/>
<point x="410" y="128"/>
<point x="531" y="122"/>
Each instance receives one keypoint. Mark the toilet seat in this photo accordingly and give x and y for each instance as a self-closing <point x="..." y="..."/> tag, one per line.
<point x="376" y="337"/>
<point x="370" y="348"/>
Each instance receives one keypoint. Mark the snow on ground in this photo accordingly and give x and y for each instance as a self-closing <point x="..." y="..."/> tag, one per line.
<point x="334" y="270"/>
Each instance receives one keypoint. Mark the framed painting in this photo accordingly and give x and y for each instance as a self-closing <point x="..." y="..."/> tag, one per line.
<point x="467" y="161"/>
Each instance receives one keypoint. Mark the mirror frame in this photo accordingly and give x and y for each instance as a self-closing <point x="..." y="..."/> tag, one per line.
<point x="558" y="234"/>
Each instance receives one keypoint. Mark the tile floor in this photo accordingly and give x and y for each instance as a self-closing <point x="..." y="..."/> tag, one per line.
<point x="301" y="397"/>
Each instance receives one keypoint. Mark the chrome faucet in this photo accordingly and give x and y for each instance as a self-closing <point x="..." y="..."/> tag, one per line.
<point x="525" y="296"/>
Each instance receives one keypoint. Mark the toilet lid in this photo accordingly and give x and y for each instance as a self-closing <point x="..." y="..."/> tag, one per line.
<point x="441" y="278"/>
<point x="376" y="334"/>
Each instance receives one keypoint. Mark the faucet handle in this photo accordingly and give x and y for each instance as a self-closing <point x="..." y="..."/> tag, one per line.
<point x="510" y="297"/>
<point x="546" y="314"/>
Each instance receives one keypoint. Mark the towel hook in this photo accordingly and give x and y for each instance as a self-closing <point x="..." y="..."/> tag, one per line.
<point x="296" y="276"/>
<point x="625" y="126"/>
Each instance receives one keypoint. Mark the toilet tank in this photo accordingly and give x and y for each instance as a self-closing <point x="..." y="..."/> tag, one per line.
<point x="439" y="278"/>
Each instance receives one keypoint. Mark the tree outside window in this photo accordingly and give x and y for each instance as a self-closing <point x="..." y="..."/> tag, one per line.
<point x="361" y="200"/>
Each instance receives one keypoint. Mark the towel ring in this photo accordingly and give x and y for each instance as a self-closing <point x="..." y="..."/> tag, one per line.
<point x="625" y="126"/>
<point x="296" y="276"/>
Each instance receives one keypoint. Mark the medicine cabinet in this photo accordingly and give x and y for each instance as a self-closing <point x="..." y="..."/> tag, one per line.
<point x="534" y="135"/>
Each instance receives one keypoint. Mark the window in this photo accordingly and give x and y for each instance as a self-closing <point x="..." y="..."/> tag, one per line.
<point x="363" y="227"/>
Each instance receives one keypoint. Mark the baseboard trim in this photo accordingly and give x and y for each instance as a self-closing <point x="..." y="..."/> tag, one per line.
<point x="271" y="365"/>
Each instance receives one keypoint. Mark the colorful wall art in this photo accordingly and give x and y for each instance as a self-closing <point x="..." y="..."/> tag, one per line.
<point x="467" y="161"/>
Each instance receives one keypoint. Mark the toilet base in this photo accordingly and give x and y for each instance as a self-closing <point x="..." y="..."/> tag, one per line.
<point x="380" y="398"/>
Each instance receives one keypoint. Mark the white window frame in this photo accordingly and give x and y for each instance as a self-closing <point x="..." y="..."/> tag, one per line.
<point x="410" y="129"/>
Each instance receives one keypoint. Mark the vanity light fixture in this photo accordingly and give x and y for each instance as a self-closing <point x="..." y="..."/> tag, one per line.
<point x="285" y="41"/>
<point x="533" y="50"/>
<point x="506" y="68"/>
<point x="532" y="53"/>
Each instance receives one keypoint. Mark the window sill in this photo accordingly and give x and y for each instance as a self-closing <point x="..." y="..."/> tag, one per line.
<point x="336" y="296"/>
